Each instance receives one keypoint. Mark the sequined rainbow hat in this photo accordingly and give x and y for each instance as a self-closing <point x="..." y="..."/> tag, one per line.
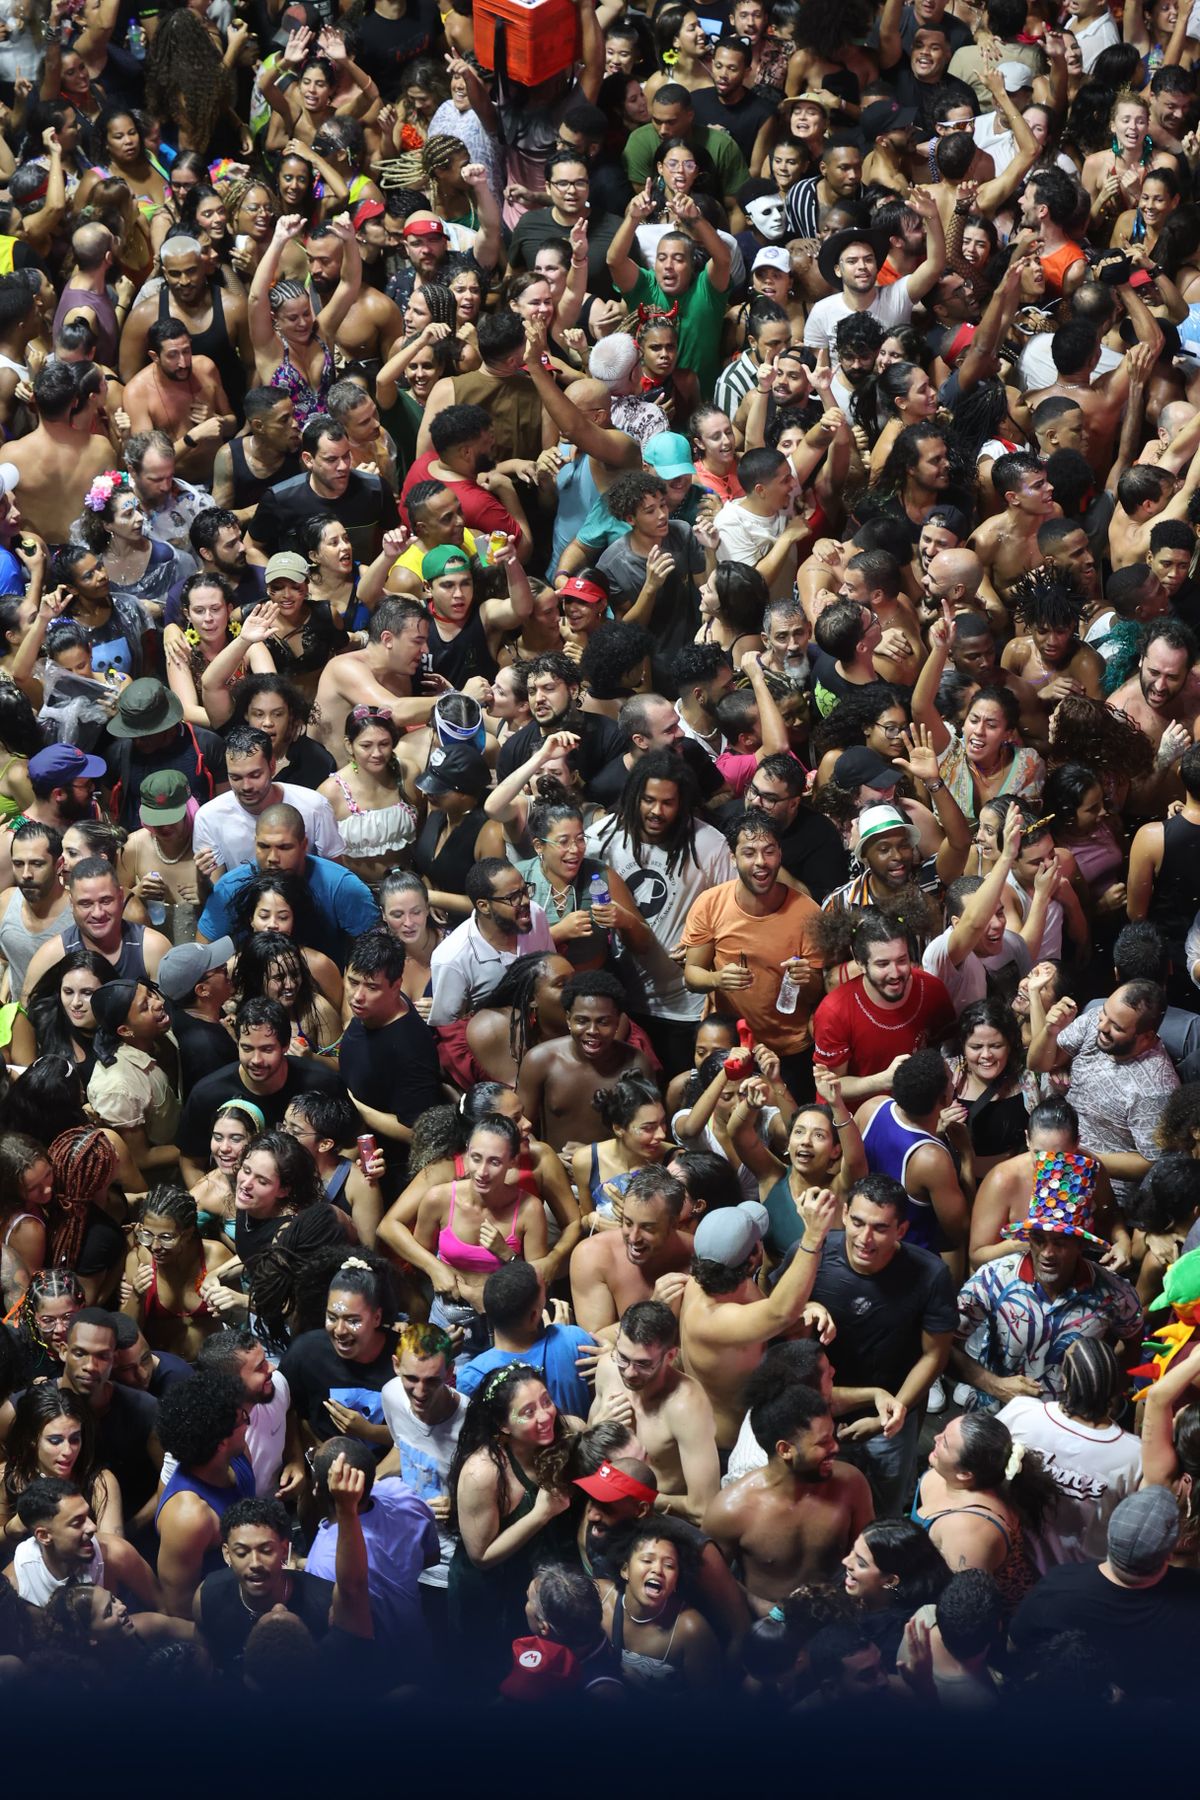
<point x="1064" y="1187"/>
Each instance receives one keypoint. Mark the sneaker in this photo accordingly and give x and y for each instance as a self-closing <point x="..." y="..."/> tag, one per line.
<point x="936" y="1402"/>
<point x="962" y="1393"/>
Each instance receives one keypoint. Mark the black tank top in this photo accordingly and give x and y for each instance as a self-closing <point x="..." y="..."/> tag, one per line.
<point x="214" y="343"/>
<point x="447" y="868"/>
<point x="466" y="655"/>
<point x="1173" y="906"/>
<point x="248" y="488"/>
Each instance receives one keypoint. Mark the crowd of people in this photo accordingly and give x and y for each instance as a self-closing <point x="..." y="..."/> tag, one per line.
<point x="599" y="785"/>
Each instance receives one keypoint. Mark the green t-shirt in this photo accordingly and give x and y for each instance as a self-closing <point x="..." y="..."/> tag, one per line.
<point x="701" y="316"/>
<point x="726" y="158"/>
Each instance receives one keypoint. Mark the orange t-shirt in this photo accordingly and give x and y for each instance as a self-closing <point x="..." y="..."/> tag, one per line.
<point x="887" y="275"/>
<point x="766" y="942"/>
<point x="1057" y="263"/>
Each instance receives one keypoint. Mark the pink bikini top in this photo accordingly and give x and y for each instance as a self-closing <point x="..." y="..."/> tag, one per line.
<point x="471" y="1257"/>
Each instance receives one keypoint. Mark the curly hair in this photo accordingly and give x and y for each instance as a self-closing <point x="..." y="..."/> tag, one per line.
<point x="196" y="1416"/>
<point x="186" y="76"/>
<point x="485" y="1416"/>
<point x="613" y="649"/>
<point x="1088" y="731"/>
<point x="828" y="30"/>
<point x="1178" y="1125"/>
<point x="853" y="717"/>
<point x="265" y="951"/>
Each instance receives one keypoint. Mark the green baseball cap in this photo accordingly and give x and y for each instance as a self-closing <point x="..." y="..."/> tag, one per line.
<point x="163" y="797"/>
<point x="446" y="556"/>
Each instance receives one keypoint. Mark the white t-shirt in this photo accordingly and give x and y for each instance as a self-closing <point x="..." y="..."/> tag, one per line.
<point x="1097" y="35"/>
<point x="968" y="981"/>
<point x="426" y="1452"/>
<point x="37" y="1585"/>
<point x="265" y="1436"/>
<point x="1094" y="1467"/>
<point x="891" y="306"/>
<point x="664" y="898"/>
<point x="225" y="827"/>
<point x="744" y="537"/>
<point x="1036" y="366"/>
<point x="747" y="1454"/>
<point x="993" y="136"/>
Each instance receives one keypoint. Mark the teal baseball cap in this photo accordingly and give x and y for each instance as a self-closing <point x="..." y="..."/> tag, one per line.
<point x="669" y="455"/>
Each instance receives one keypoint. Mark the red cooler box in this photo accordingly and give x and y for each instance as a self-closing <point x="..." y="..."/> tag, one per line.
<point x="541" y="37"/>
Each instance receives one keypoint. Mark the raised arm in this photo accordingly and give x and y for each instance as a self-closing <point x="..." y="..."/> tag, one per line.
<point x="924" y="696"/>
<point x="763" y="1319"/>
<point x="334" y="311"/>
<point x="617" y="256"/>
<point x="615" y="449"/>
<point x="488" y="244"/>
<point x="928" y="273"/>
<point x="262" y="325"/>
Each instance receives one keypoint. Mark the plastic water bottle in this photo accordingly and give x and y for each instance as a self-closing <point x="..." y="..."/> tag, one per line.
<point x="136" y="40"/>
<point x="789" y="992"/>
<point x="598" y="895"/>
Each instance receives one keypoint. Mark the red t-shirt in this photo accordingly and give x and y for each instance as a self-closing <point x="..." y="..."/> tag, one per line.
<point x="481" y="511"/>
<point x="850" y="1028"/>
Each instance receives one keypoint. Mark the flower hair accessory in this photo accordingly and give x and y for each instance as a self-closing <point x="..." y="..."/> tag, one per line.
<point x="103" y="488"/>
<point x="356" y="1262"/>
<point x="1012" y="1467"/>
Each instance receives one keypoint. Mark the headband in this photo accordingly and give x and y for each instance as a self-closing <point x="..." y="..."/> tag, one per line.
<point x="246" y="1106"/>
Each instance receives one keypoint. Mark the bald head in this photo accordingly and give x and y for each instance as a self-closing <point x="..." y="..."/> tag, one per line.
<point x="91" y="244"/>
<point x="954" y="575"/>
<point x="588" y="395"/>
<point x="1173" y="418"/>
<point x="283" y="817"/>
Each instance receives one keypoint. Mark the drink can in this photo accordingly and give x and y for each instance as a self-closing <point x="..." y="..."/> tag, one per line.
<point x="366" y="1147"/>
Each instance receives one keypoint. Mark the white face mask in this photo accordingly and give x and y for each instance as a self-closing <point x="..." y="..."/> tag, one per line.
<point x="767" y="216"/>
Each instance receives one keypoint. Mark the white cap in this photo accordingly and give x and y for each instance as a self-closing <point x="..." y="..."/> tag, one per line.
<point x="10" y="476"/>
<point x="1015" y="76"/>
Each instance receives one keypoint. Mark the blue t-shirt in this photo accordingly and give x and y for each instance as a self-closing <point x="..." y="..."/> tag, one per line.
<point x="344" y="905"/>
<point x="554" y="1354"/>
<point x="12" y="575"/>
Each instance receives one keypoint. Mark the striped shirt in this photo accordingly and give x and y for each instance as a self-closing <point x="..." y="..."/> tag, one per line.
<point x="734" y="383"/>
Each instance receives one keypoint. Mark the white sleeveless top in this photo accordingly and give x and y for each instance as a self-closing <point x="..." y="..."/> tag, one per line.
<point x="36" y="1584"/>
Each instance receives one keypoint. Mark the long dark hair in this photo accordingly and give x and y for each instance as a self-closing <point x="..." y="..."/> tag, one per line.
<point x="51" y="1089"/>
<point x="680" y="843"/>
<point x="515" y="992"/>
<point x="52" y="1029"/>
<point x="485" y="1418"/>
<point x="33" y="1412"/>
<point x="253" y="967"/>
<point x="292" y="889"/>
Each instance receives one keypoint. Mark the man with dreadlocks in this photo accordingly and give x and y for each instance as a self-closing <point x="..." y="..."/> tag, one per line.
<point x="1051" y="656"/>
<point x="667" y="858"/>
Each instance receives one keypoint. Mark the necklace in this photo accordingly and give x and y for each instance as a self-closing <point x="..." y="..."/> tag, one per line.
<point x="163" y="857"/>
<point x="650" y="1619"/>
<point x="253" y="1611"/>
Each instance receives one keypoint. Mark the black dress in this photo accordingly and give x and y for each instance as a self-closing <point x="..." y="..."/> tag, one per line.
<point x="447" y="868"/>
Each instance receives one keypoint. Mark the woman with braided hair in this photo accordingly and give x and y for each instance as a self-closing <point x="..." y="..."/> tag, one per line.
<point x="504" y="1500"/>
<point x="524" y="1008"/>
<point x="337" y="1371"/>
<point x="293" y="347"/>
<point x="41" y="1322"/>
<point x="165" y="1271"/>
<point x="81" y="1230"/>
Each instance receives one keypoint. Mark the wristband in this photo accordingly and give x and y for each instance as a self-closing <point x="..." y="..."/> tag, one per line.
<point x="801" y="1245"/>
<point x="187" y="438"/>
<point x="934" y="787"/>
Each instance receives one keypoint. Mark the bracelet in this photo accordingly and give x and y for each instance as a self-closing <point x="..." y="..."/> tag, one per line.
<point x="843" y="1126"/>
<point x="934" y="787"/>
<point x="801" y="1245"/>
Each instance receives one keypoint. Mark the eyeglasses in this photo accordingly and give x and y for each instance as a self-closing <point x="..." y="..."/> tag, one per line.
<point x="581" y="181"/>
<point x="761" y="799"/>
<point x="52" y="1327"/>
<point x="513" y="899"/>
<point x="638" y="1365"/>
<point x="689" y="167"/>
<point x="148" y="1239"/>
<point x="892" y="731"/>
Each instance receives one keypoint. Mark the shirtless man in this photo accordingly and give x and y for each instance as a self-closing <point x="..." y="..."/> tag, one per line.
<point x="191" y="299"/>
<point x="381" y="674"/>
<point x="669" y="1412"/>
<point x="59" y="460"/>
<point x="647" y="1259"/>
<point x="1166" y="689"/>
<point x="1052" y="657"/>
<point x="1077" y="352"/>
<point x="973" y="653"/>
<point x="558" y="1078"/>
<point x="1006" y="544"/>
<point x="795" y="1520"/>
<point x="1149" y="493"/>
<point x="182" y="395"/>
<point x="1003" y="1196"/>
<point x="374" y="325"/>
<point x="724" y="1322"/>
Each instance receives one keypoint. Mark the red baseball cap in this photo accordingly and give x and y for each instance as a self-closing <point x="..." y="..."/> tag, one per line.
<point x="959" y="342"/>
<point x="424" y="228"/>
<point x="541" y="1670"/>
<point x="368" y="209"/>
<point x="610" y="1483"/>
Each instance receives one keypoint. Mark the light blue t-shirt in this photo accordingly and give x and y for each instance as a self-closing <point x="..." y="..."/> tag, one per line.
<point x="554" y="1355"/>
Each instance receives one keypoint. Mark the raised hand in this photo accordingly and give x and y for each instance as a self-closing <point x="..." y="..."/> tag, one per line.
<point x="289" y="226"/>
<point x="298" y="46"/>
<point x="921" y="761"/>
